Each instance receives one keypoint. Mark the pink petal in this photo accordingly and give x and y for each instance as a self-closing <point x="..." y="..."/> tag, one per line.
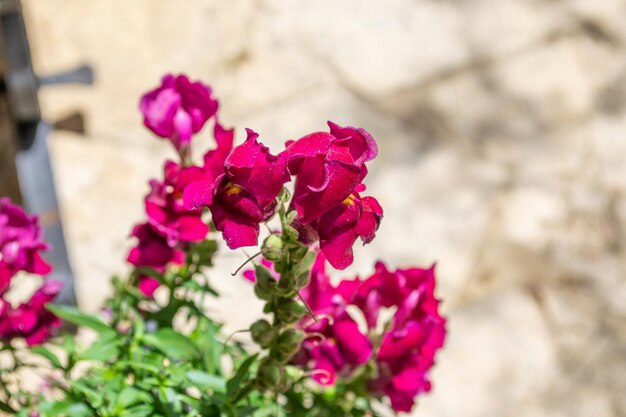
<point x="191" y="229"/>
<point x="338" y="249"/>
<point x="148" y="285"/>
<point x="352" y="342"/>
<point x="198" y="194"/>
<point x="182" y="125"/>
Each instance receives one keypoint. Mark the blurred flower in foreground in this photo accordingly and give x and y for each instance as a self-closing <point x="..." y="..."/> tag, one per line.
<point x="31" y="320"/>
<point x="20" y="244"/>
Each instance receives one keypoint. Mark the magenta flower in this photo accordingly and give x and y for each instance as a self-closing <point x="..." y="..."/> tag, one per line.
<point x="31" y="320"/>
<point x="200" y="192"/>
<point x="245" y="195"/>
<point x="5" y="323"/>
<point x="335" y="345"/>
<point x="339" y="228"/>
<point x="214" y="159"/>
<point x="342" y="346"/>
<point x="152" y="249"/>
<point x="417" y="331"/>
<point x="166" y="211"/>
<point x="148" y="285"/>
<point x="20" y="244"/>
<point x="328" y="167"/>
<point x="177" y="109"/>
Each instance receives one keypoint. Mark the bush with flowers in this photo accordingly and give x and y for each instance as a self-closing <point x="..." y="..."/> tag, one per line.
<point x="323" y="348"/>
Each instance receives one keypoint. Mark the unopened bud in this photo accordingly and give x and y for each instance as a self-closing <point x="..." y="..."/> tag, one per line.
<point x="263" y="333"/>
<point x="287" y="345"/>
<point x="265" y="283"/>
<point x="289" y="311"/>
<point x="272" y="248"/>
<point x="269" y="374"/>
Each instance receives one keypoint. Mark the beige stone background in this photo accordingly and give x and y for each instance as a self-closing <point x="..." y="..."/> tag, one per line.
<point x="502" y="134"/>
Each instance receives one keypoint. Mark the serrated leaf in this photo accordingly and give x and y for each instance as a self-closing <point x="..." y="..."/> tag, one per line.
<point x="75" y="316"/>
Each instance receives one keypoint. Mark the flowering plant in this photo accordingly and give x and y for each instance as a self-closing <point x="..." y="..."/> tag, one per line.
<point x="322" y="348"/>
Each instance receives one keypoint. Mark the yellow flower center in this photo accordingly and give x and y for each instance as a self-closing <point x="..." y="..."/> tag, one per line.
<point x="232" y="189"/>
<point x="349" y="201"/>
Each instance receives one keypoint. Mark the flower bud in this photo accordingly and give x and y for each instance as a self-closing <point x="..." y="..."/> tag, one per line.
<point x="272" y="248"/>
<point x="286" y="287"/>
<point x="265" y="283"/>
<point x="289" y="311"/>
<point x="287" y="345"/>
<point x="263" y="333"/>
<point x="302" y="279"/>
<point x="269" y="374"/>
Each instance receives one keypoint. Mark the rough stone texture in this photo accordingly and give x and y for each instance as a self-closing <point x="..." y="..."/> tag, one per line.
<point x="501" y="125"/>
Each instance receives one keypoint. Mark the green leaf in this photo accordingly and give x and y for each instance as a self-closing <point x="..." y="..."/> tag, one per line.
<point x="142" y="410"/>
<point x="94" y="397"/>
<point x="104" y="349"/>
<point x="75" y="316"/>
<point x="66" y="408"/>
<point x="153" y="369"/>
<point x="42" y="351"/>
<point x="171" y="343"/>
<point x="205" y="380"/>
<point x="78" y="410"/>
<point x="196" y="286"/>
<point x="203" y="252"/>
<point x="6" y="408"/>
<point x="130" y="396"/>
<point x="234" y="384"/>
<point x="151" y="272"/>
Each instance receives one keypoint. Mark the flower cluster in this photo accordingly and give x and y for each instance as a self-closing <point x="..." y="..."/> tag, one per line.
<point x="240" y="184"/>
<point x="405" y="350"/>
<point x="176" y="110"/>
<point x="244" y="195"/>
<point x="31" y="320"/>
<point x="20" y="244"/>
<point x="328" y="168"/>
<point x="243" y="187"/>
<point x="170" y="226"/>
<point x="337" y="346"/>
<point x="20" y="250"/>
<point x="363" y="341"/>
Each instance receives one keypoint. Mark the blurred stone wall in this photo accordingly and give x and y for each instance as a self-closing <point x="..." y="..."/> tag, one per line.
<point x="502" y="133"/>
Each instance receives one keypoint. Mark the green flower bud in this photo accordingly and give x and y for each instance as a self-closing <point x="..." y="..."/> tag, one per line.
<point x="302" y="279"/>
<point x="265" y="283"/>
<point x="291" y="233"/>
<point x="272" y="248"/>
<point x="287" y="345"/>
<point x="263" y="333"/>
<point x="270" y="375"/>
<point x="289" y="311"/>
<point x="286" y="287"/>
